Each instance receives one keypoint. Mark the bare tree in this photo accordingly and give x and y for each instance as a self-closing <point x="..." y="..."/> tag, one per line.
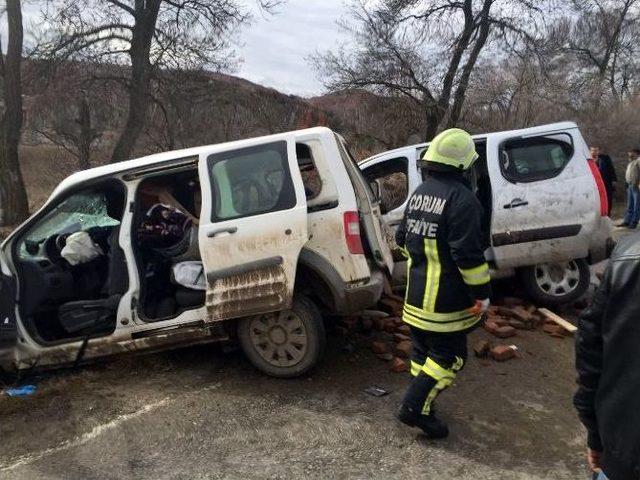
<point x="424" y="50"/>
<point x="73" y="128"/>
<point x="603" y="36"/>
<point x="14" y="206"/>
<point x="148" y="36"/>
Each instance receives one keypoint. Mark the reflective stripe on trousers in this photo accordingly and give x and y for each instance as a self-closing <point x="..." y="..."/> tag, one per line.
<point x="443" y="377"/>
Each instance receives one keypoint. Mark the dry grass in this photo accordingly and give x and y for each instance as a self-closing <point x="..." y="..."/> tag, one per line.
<point x="43" y="168"/>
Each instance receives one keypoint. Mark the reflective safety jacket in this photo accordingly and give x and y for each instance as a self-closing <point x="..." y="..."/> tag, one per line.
<point x="441" y="236"/>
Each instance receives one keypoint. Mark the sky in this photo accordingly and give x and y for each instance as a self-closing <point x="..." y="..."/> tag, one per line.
<point x="275" y="48"/>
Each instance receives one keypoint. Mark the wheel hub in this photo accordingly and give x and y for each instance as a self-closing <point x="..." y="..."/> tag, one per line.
<point x="279" y="338"/>
<point x="558" y="279"/>
<point x="278" y="335"/>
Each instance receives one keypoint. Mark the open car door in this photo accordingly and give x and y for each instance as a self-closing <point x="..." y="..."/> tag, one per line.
<point x="8" y="327"/>
<point x="253" y="226"/>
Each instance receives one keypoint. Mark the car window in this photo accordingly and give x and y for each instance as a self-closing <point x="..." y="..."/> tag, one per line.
<point x="310" y="176"/>
<point x="537" y="158"/>
<point x="79" y="212"/>
<point x="393" y="180"/>
<point x="251" y="181"/>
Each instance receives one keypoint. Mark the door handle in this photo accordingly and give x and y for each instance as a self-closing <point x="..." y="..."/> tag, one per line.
<point x="516" y="202"/>
<point x="229" y="230"/>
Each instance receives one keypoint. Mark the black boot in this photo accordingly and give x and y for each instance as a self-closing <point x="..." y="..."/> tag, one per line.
<point x="430" y="425"/>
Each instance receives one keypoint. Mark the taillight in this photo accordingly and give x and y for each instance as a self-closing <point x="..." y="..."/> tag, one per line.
<point x="602" y="191"/>
<point x="352" y="232"/>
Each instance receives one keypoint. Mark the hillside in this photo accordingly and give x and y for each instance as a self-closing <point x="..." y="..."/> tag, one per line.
<point x="195" y="108"/>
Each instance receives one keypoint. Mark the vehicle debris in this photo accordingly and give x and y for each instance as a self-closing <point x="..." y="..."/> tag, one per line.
<point x="376" y="391"/>
<point x="22" y="391"/>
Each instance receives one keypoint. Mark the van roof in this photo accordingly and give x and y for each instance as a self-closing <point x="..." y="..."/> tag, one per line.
<point x="150" y="160"/>
<point x="520" y="131"/>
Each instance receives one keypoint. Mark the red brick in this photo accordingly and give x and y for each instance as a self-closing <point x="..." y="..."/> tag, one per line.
<point x="554" y="330"/>
<point x="404" y="329"/>
<point x="505" y="332"/>
<point x="522" y="313"/>
<point x="389" y="325"/>
<point x="490" y="325"/>
<point x="400" y="337"/>
<point x="379" y="347"/>
<point x="387" y="357"/>
<point x="499" y="321"/>
<point x="520" y="325"/>
<point x="367" y="324"/>
<point x="512" y="301"/>
<point x="392" y="306"/>
<point x="398" y="365"/>
<point x="378" y="323"/>
<point x="482" y="348"/>
<point x="403" y="349"/>
<point x="498" y="331"/>
<point x="501" y="353"/>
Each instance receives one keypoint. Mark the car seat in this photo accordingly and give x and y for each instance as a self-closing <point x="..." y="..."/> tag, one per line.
<point x="93" y="316"/>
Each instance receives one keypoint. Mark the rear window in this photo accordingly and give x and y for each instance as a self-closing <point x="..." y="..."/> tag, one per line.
<point x="534" y="159"/>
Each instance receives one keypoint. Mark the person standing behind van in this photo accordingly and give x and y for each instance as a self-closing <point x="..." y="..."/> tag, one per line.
<point x="632" y="177"/>
<point x="607" y="172"/>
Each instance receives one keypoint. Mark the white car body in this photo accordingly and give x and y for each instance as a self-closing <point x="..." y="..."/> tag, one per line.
<point x="552" y="216"/>
<point x="254" y="263"/>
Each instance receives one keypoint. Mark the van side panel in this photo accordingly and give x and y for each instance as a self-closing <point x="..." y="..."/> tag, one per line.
<point x="550" y="220"/>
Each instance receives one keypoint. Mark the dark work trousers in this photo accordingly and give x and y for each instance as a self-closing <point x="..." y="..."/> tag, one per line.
<point x="435" y="361"/>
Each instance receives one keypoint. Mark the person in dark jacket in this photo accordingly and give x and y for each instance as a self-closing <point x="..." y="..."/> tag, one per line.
<point x="448" y="283"/>
<point x="608" y="365"/>
<point x="607" y="172"/>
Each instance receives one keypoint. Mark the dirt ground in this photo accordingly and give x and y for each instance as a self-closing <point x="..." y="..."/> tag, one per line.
<point x="201" y="413"/>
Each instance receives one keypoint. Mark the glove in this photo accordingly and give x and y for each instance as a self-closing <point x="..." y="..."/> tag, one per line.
<point x="481" y="306"/>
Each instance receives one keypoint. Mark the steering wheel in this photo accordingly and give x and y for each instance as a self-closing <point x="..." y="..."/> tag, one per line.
<point x="53" y="246"/>
<point x="61" y="241"/>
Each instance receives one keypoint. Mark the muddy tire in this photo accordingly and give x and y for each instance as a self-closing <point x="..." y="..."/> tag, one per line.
<point x="559" y="283"/>
<point x="284" y="344"/>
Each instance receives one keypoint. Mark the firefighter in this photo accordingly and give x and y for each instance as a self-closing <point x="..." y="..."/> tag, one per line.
<point x="448" y="284"/>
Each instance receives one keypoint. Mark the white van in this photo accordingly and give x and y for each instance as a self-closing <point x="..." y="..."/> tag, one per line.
<point x="543" y="220"/>
<point x="254" y="239"/>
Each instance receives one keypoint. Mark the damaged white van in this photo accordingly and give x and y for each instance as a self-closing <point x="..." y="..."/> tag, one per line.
<point x="544" y="218"/>
<point x="255" y="238"/>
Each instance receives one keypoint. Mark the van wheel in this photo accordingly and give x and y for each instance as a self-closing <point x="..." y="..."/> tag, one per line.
<point x="556" y="283"/>
<point x="284" y="344"/>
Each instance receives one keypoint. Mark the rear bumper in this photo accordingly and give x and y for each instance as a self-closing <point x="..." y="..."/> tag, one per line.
<point x="361" y="297"/>
<point x="601" y="242"/>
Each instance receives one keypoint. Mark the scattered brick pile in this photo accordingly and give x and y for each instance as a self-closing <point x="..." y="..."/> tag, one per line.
<point x="397" y="351"/>
<point x="503" y="322"/>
